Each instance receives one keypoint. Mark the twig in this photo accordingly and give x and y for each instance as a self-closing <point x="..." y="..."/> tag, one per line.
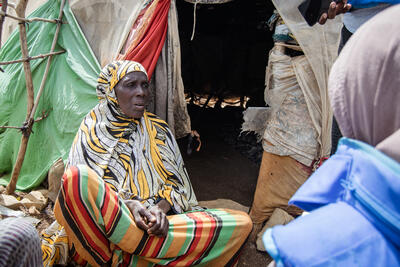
<point x="4" y="14"/>
<point x="44" y="116"/>
<point x="3" y="9"/>
<point x="32" y="58"/>
<point x="20" y="10"/>
<point x="12" y="127"/>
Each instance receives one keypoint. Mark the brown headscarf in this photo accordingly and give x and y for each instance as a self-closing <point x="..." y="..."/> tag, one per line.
<point x="364" y="84"/>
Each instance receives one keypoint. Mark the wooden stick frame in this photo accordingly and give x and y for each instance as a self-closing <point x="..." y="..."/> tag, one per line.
<point x="32" y="104"/>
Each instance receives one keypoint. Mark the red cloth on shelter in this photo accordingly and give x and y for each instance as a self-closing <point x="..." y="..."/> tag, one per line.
<point x="149" y="47"/>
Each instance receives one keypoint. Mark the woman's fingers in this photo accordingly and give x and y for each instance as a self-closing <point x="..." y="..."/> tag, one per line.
<point x="141" y="215"/>
<point x="139" y="220"/>
<point x="160" y="228"/>
<point x="148" y="216"/>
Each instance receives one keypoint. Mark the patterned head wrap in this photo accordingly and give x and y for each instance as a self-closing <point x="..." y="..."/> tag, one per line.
<point x="110" y="75"/>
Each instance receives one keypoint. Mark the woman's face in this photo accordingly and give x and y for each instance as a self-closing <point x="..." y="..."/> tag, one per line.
<point x="133" y="94"/>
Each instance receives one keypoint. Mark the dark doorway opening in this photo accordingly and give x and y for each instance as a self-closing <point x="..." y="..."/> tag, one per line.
<point x="223" y="70"/>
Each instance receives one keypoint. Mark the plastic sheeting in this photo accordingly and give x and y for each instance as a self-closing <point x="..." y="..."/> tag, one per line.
<point x="290" y="130"/>
<point x="319" y="44"/>
<point x="68" y="96"/>
<point x="10" y="24"/>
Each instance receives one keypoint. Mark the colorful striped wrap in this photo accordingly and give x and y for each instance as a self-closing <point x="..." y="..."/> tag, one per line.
<point x="101" y="229"/>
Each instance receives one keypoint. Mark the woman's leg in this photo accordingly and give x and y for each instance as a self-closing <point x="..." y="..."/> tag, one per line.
<point x="102" y="230"/>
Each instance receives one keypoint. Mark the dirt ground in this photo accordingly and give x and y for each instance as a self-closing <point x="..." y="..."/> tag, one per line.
<point x="220" y="171"/>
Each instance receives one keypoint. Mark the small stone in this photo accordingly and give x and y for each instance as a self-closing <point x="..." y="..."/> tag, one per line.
<point x="33" y="211"/>
<point x="37" y="199"/>
<point x="9" y="201"/>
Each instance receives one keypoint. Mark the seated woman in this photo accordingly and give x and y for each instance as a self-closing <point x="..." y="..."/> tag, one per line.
<point x="124" y="176"/>
<point x="353" y="198"/>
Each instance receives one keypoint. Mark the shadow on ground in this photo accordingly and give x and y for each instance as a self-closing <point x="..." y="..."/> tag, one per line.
<point x="224" y="168"/>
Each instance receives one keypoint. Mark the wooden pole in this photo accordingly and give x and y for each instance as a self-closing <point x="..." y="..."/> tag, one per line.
<point x="3" y="9"/>
<point x="27" y="127"/>
<point x="20" y="10"/>
<point x="46" y="72"/>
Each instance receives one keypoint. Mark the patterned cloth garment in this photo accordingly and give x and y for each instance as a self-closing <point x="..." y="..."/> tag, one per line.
<point x="19" y="243"/>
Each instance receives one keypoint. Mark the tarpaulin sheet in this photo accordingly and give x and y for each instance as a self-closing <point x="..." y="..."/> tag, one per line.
<point x="10" y="24"/>
<point x="106" y="24"/>
<point x="68" y="96"/>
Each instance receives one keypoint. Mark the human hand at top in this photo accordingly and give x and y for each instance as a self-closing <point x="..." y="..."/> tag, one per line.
<point x="334" y="9"/>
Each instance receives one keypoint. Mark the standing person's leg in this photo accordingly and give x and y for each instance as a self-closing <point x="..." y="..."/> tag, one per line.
<point x="102" y="230"/>
<point x="19" y="243"/>
<point x="278" y="180"/>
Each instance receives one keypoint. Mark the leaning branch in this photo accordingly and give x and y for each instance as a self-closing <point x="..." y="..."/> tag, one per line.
<point x="32" y="58"/>
<point x="4" y="14"/>
<point x="3" y="9"/>
<point x="20" y="10"/>
<point x="27" y="127"/>
<point x="46" y="72"/>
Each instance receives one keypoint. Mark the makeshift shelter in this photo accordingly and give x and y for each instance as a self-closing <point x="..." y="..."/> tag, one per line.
<point x="68" y="95"/>
<point x="70" y="89"/>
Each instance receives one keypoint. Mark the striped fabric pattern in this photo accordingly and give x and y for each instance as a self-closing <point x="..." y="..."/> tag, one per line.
<point x="19" y="243"/>
<point x="102" y="229"/>
<point x="55" y="247"/>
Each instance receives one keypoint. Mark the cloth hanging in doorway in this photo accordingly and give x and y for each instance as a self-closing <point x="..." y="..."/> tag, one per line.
<point x="149" y="36"/>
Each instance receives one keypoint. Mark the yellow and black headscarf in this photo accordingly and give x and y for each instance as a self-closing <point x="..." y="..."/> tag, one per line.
<point x="136" y="157"/>
<point x="110" y="75"/>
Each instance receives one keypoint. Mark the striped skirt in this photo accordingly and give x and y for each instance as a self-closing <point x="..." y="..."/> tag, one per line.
<point x="101" y="229"/>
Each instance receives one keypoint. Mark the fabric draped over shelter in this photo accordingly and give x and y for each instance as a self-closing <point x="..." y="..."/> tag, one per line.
<point x="319" y="44"/>
<point x="148" y="40"/>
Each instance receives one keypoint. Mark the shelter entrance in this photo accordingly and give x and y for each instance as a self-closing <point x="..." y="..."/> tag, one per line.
<point x="224" y="57"/>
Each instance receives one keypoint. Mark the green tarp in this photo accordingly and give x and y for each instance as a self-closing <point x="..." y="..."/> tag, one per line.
<point x="68" y="96"/>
